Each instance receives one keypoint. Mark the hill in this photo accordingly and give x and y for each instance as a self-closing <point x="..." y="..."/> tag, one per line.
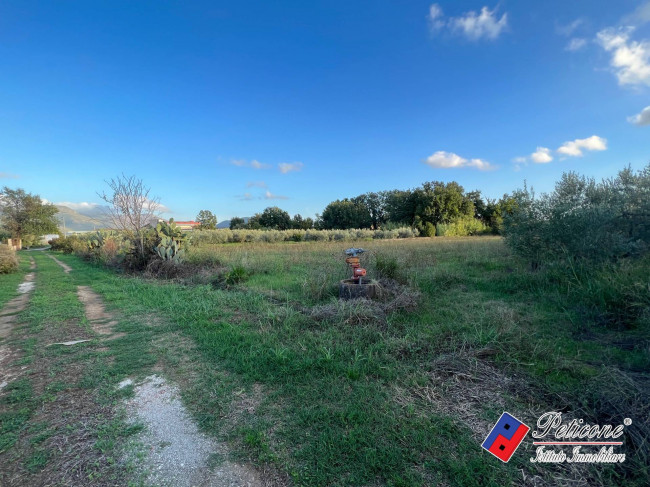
<point x="71" y="220"/>
<point x="226" y="223"/>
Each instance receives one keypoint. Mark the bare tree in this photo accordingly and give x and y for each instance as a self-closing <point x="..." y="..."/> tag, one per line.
<point x="131" y="208"/>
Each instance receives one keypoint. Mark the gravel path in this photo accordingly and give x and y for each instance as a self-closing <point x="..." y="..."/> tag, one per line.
<point x="179" y="455"/>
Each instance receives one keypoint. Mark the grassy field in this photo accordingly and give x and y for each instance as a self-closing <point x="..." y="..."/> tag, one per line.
<point x="320" y="392"/>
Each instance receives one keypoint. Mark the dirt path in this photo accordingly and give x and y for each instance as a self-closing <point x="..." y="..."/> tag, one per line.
<point x="8" y="318"/>
<point x="66" y="268"/>
<point x="16" y="305"/>
<point x="101" y="321"/>
<point x="173" y="451"/>
<point x="179" y="454"/>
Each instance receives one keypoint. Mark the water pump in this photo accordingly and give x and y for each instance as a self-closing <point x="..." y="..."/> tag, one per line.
<point x="352" y="260"/>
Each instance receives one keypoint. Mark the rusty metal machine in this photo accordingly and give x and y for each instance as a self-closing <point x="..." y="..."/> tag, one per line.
<point x="352" y="260"/>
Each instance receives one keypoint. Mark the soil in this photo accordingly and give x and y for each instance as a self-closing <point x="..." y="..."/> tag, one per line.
<point x="16" y="305"/>
<point x="66" y="268"/>
<point x="101" y="321"/>
<point x="179" y="454"/>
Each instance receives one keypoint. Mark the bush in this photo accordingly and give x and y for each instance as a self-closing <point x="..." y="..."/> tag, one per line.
<point x="464" y="227"/>
<point x="581" y="221"/>
<point x="236" y="275"/>
<point x="428" y="230"/>
<point x="593" y="240"/>
<point x="61" y="244"/>
<point x="8" y="260"/>
<point x="221" y="236"/>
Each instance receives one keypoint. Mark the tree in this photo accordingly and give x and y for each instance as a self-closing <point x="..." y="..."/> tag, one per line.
<point x="207" y="220"/>
<point x="25" y="215"/>
<point x="131" y="210"/>
<point x="480" y="207"/>
<point x="274" y="217"/>
<point x="237" y="223"/>
<point x="400" y="207"/>
<point x="254" y="222"/>
<point x="438" y="202"/>
<point x="345" y="214"/>
<point x="300" y="223"/>
<point x="375" y="205"/>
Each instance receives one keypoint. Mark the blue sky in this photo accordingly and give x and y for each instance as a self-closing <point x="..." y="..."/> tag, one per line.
<point x="236" y="106"/>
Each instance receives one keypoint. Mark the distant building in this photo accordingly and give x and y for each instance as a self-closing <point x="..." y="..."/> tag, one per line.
<point x="189" y="225"/>
<point x="185" y="226"/>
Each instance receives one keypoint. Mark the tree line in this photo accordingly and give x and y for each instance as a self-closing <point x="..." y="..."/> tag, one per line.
<point x="423" y="208"/>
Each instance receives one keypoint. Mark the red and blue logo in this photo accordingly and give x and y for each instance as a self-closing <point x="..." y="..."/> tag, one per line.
<point x="505" y="437"/>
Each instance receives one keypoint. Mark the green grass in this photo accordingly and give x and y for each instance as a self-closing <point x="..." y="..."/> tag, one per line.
<point x="337" y="403"/>
<point x="35" y="408"/>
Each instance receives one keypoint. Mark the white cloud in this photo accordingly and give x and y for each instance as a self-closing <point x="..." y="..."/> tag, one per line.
<point x="640" y="16"/>
<point x="542" y="155"/>
<point x="245" y="197"/>
<point x="256" y="184"/>
<point x="642" y="118"/>
<point x="567" y="30"/>
<point x="575" y="147"/>
<point x="448" y="160"/>
<point x="435" y="17"/>
<point x="286" y="167"/>
<point x="258" y="165"/>
<point x="484" y="24"/>
<point x="471" y="24"/>
<point x="270" y="196"/>
<point x="630" y="59"/>
<point x="82" y="205"/>
<point x="519" y="160"/>
<point x="254" y="164"/>
<point x="6" y="175"/>
<point x="576" y="44"/>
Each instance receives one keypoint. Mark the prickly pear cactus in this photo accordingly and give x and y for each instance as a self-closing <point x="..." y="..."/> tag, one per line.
<point x="96" y="241"/>
<point x="170" y="238"/>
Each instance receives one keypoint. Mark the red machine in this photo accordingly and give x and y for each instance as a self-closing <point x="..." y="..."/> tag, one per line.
<point x="352" y="260"/>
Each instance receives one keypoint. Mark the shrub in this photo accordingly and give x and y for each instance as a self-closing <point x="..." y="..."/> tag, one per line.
<point x="582" y="221"/>
<point x="8" y="260"/>
<point x="236" y="275"/>
<point x="61" y="244"/>
<point x="463" y="227"/>
<point x="593" y="239"/>
<point x="428" y="230"/>
<point x="221" y="236"/>
<point x="109" y="253"/>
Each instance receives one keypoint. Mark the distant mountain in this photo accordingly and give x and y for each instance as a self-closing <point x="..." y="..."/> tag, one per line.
<point x="73" y="221"/>
<point x="92" y="210"/>
<point x="226" y="223"/>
